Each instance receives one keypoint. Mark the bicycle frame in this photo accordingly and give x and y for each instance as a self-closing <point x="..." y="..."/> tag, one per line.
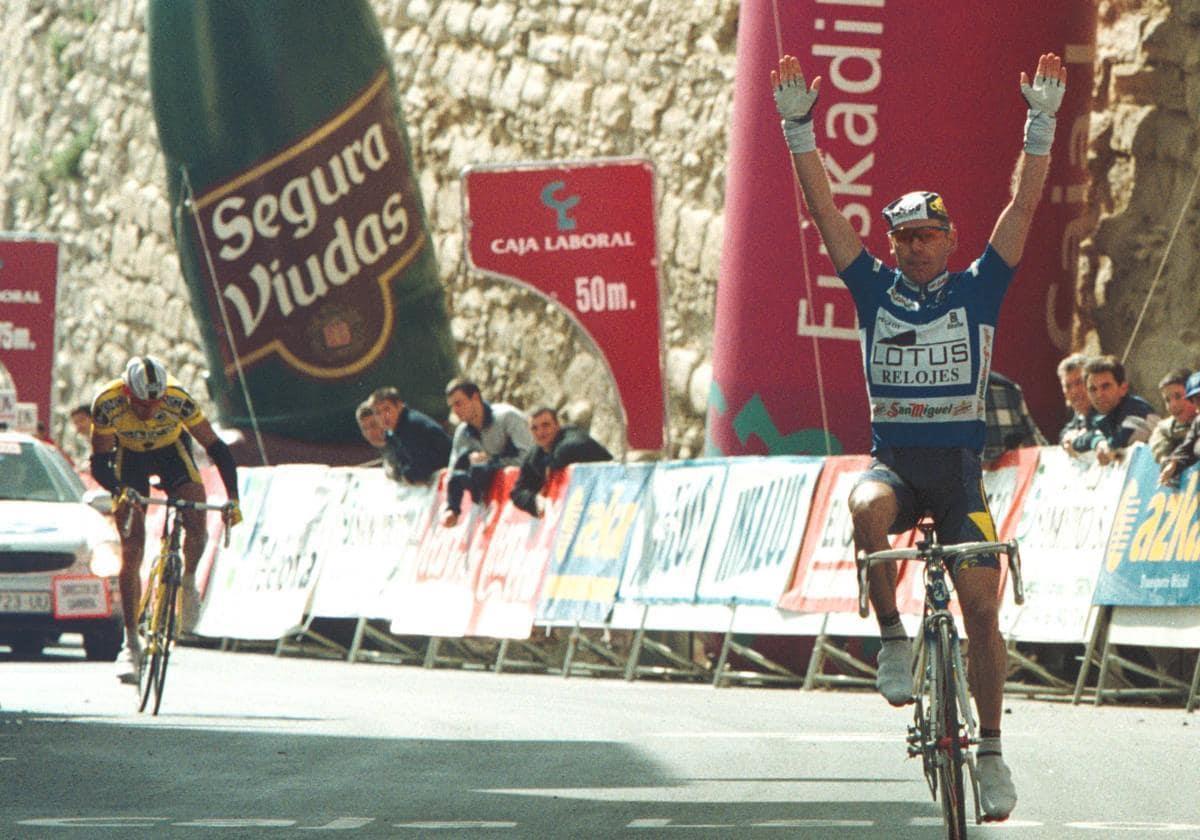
<point x="157" y="610"/>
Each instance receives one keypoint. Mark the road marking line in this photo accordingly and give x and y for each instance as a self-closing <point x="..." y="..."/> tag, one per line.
<point x="339" y="824"/>
<point x="455" y="825"/>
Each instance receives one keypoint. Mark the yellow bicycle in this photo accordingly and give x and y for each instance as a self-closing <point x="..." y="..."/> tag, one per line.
<point x="159" y="607"/>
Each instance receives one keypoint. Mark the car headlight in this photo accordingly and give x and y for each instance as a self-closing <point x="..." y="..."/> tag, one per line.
<point x="106" y="559"/>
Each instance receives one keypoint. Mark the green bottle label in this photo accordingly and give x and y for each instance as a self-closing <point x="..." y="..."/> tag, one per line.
<point x="304" y="246"/>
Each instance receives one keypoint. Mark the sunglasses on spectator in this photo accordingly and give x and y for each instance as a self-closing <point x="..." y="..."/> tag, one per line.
<point x="926" y="235"/>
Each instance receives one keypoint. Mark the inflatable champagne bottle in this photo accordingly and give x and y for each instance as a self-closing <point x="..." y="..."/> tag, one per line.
<point x="299" y="226"/>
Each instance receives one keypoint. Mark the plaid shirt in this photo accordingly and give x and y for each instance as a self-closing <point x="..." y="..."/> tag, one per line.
<point x="1009" y="424"/>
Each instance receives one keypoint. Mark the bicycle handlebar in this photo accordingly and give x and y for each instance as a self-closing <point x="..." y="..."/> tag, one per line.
<point x="171" y="501"/>
<point x="865" y="560"/>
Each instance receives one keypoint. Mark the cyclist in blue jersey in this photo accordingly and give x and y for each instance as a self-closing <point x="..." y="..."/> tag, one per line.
<point x="927" y="345"/>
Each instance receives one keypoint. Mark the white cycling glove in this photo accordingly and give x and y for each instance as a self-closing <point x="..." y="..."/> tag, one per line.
<point x="795" y="100"/>
<point x="1044" y="96"/>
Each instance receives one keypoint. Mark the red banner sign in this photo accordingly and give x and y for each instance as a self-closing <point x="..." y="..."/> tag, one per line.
<point x="787" y="368"/>
<point x="28" y="289"/>
<point x="582" y="235"/>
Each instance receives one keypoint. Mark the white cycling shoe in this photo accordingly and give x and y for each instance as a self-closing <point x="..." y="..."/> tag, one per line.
<point x="129" y="665"/>
<point x="997" y="794"/>
<point x="893" y="675"/>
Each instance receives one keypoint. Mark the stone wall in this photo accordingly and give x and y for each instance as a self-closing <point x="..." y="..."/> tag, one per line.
<point x="487" y="81"/>
<point x="1144" y="161"/>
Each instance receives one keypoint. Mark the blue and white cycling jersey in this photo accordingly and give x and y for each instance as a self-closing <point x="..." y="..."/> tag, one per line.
<point x="927" y="351"/>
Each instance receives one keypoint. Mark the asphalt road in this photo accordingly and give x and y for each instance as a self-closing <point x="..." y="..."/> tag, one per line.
<point x="255" y="746"/>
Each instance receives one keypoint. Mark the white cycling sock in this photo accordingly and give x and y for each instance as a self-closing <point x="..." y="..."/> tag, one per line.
<point x="989" y="746"/>
<point x="891" y="628"/>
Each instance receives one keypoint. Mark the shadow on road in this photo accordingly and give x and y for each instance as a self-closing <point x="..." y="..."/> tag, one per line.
<point x="101" y="780"/>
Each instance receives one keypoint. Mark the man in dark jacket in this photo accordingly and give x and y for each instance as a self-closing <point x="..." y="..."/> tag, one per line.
<point x="1121" y="418"/>
<point x="414" y="444"/>
<point x="556" y="447"/>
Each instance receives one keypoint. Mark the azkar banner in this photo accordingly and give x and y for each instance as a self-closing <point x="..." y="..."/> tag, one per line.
<point x="759" y="526"/>
<point x="514" y="565"/>
<point x="1153" y="553"/>
<point x="675" y="524"/>
<point x="28" y="294"/>
<point x="582" y="235"/>
<point x="594" y="535"/>
<point x="787" y="364"/>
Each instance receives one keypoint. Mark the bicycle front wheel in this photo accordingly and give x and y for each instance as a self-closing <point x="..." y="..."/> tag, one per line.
<point x="948" y="735"/>
<point x="167" y="637"/>
<point x="150" y="629"/>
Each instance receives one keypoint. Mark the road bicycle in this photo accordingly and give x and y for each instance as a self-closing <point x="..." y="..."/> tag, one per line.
<point x="943" y="731"/>
<point x="157" y="613"/>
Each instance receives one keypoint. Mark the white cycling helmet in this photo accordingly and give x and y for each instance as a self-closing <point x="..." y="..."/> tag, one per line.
<point x="145" y="377"/>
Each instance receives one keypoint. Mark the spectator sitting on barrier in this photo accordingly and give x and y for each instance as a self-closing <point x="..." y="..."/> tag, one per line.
<point x="489" y="436"/>
<point x="416" y="444"/>
<point x="1188" y="450"/>
<point x="1121" y="420"/>
<point x="1074" y="389"/>
<point x="1009" y="424"/>
<point x="1171" y="431"/>
<point x="372" y="432"/>
<point x="557" y="446"/>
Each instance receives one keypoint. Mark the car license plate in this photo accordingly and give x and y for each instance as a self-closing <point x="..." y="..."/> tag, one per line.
<point x="24" y="602"/>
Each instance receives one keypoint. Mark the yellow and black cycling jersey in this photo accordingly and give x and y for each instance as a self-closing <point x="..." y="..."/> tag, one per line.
<point x="112" y="414"/>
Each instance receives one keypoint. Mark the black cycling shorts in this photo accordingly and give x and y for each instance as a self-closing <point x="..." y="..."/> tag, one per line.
<point x="946" y="483"/>
<point x="173" y="464"/>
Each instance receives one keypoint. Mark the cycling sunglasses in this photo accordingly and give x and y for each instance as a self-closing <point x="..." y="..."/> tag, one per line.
<point x="926" y="235"/>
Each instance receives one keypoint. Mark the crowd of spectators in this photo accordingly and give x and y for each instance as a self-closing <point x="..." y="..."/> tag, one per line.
<point x="1106" y="419"/>
<point x="488" y="436"/>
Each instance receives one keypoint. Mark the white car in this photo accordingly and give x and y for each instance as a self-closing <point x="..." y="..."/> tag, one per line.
<point x="59" y="555"/>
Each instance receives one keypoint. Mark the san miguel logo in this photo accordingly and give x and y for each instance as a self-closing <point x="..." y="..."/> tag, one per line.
<point x="305" y="246"/>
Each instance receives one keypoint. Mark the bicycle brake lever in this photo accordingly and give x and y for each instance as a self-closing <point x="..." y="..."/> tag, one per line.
<point x="1014" y="568"/>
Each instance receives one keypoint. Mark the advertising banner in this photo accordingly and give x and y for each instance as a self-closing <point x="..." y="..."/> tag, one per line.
<point x="672" y="532"/>
<point x="594" y="534"/>
<point x="28" y="293"/>
<point x="1062" y="530"/>
<point x="825" y="579"/>
<point x="515" y="563"/>
<point x="758" y="529"/>
<point x="298" y="217"/>
<point x="1153" y="554"/>
<point x="582" y="234"/>
<point x="366" y="542"/>
<point x="260" y="585"/>
<point x="787" y="368"/>
<point x="435" y="594"/>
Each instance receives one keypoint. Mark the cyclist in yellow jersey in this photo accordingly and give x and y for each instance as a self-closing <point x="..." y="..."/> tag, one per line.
<point x="143" y="425"/>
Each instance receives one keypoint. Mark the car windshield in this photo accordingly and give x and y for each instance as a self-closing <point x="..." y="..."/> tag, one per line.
<point x="35" y="473"/>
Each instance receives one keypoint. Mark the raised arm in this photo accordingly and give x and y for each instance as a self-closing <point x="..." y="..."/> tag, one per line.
<point x="1044" y="97"/>
<point x="795" y="101"/>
